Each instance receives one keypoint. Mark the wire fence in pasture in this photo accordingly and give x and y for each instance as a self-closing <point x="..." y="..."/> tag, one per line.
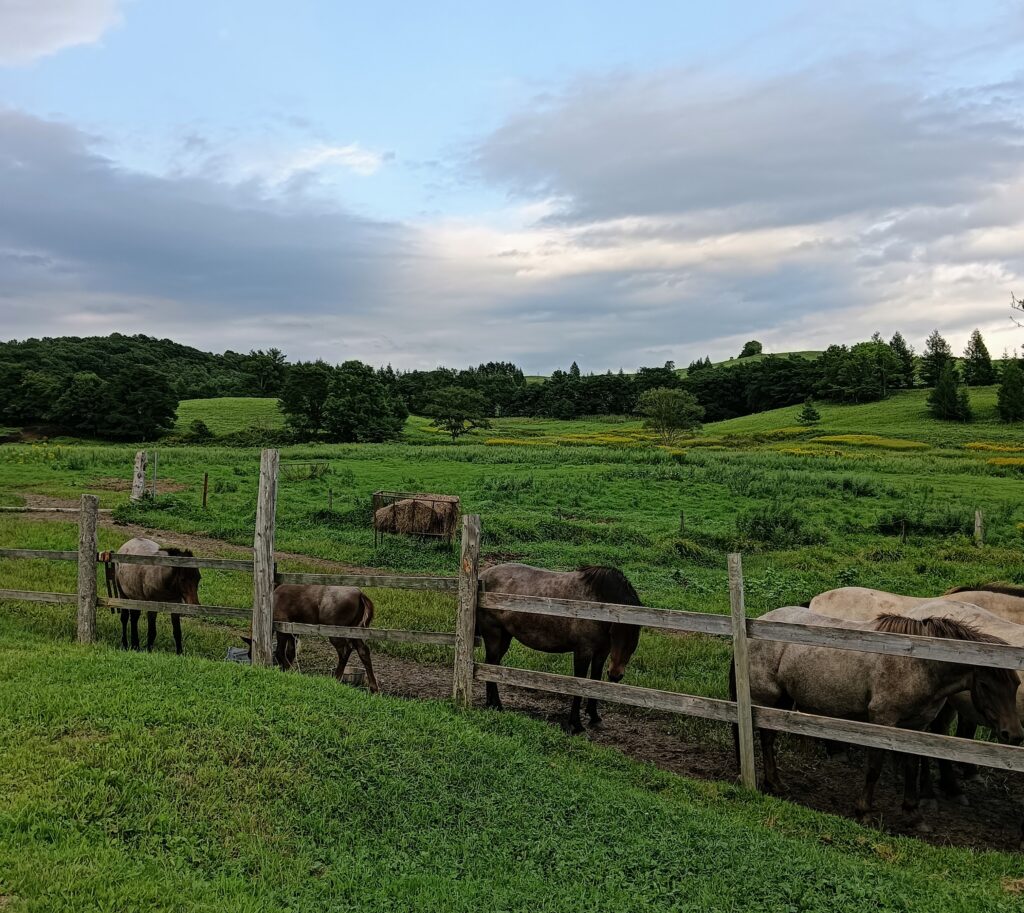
<point x="466" y="671"/>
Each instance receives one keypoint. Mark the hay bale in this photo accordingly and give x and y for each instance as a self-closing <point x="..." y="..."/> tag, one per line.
<point x="417" y="517"/>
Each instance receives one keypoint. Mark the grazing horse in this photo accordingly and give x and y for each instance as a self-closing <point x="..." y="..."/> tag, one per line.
<point x="590" y="642"/>
<point x="345" y="606"/>
<point x="862" y="603"/>
<point x="152" y="583"/>
<point x="877" y="688"/>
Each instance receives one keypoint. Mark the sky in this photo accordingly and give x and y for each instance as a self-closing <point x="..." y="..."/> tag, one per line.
<point x="543" y="182"/>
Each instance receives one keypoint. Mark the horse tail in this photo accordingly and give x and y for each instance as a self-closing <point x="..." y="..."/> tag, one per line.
<point x="367" y="605"/>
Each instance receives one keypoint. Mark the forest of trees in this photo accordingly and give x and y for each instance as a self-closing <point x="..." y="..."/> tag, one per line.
<point x="128" y="387"/>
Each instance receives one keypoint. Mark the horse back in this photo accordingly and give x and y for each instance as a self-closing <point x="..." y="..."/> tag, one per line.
<point x="345" y="606"/>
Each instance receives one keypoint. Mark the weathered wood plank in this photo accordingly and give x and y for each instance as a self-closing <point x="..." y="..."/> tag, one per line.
<point x="1006" y="757"/>
<point x="665" y="619"/>
<point x="220" y="564"/>
<point x="173" y="608"/>
<point x="48" y="554"/>
<point x="651" y="698"/>
<point x="87" y="569"/>
<point x="391" y="581"/>
<point x="439" y="638"/>
<point x="36" y="596"/>
<point x="741" y="672"/>
<point x="263" y="561"/>
<point x="999" y="656"/>
<point x="465" y="620"/>
<point x="139" y="476"/>
<point x="50" y="510"/>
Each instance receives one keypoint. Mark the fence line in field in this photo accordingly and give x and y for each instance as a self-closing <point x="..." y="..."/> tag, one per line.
<point x="470" y="594"/>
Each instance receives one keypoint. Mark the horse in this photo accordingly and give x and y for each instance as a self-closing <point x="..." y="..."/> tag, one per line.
<point x="1004" y="600"/>
<point x="152" y="583"/>
<point x="346" y="606"/>
<point x="860" y="604"/>
<point x="590" y="642"/>
<point x="877" y="688"/>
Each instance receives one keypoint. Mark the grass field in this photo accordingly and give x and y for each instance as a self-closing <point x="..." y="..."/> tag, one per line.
<point x="877" y="495"/>
<point x="177" y="784"/>
<point x="229" y="413"/>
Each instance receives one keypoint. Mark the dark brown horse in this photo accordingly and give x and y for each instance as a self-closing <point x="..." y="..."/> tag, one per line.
<point x="590" y="642"/>
<point x="152" y="583"/>
<point x="345" y="606"/>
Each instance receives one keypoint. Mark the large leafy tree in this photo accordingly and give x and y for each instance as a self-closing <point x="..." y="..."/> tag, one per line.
<point x="978" y="369"/>
<point x="668" y="412"/>
<point x="360" y="408"/>
<point x="142" y="405"/>
<point x="84" y="404"/>
<point x="936" y="354"/>
<point x="304" y="398"/>
<point x="458" y="411"/>
<point x="753" y="347"/>
<point x="905" y="355"/>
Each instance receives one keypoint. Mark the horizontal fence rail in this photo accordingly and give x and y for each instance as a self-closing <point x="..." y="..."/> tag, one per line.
<point x="998" y="656"/>
<point x="173" y="608"/>
<point x="50" y="510"/>
<point x="219" y="564"/>
<point x="44" y="553"/>
<point x="388" y="581"/>
<point x="664" y="619"/>
<point x="438" y="638"/>
<point x="38" y="596"/>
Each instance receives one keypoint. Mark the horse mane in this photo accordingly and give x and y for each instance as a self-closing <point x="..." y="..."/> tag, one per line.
<point x="609" y="584"/>
<point x="1004" y="589"/>
<point x="174" y="552"/>
<point x="934" y="626"/>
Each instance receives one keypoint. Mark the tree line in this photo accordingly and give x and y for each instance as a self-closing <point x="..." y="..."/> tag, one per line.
<point x="128" y="387"/>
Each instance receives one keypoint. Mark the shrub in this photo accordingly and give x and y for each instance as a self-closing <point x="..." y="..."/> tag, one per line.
<point x="775" y="524"/>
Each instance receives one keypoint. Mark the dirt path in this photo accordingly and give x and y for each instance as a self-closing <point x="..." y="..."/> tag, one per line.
<point x="991" y="821"/>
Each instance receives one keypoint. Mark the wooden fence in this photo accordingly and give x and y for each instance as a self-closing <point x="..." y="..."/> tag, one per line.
<point x="741" y="712"/>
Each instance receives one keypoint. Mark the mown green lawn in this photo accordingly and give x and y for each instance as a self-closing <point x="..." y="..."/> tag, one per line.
<point x="161" y="783"/>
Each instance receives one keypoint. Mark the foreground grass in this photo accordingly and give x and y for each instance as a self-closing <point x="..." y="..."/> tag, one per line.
<point x="165" y="783"/>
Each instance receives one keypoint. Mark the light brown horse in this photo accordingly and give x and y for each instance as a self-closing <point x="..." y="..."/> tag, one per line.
<point x="1004" y="600"/>
<point x="888" y="690"/>
<point x="345" y="606"/>
<point x="152" y="583"/>
<point x="590" y="642"/>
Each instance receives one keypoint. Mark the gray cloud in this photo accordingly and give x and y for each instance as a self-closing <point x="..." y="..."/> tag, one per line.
<point x="34" y="28"/>
<point x="802" y="147"/>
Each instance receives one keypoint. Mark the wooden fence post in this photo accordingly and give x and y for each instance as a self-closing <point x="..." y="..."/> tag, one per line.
<point x="465" y="619"/>
<point x="139" y="476"/>
<point x="741" y="663"/>
<point x="263" y="561"/>
<point x="87" y="569"/>
<point x="153" y="488"/>
<point x="206" y="487"/>
<point x="979" y="528"/>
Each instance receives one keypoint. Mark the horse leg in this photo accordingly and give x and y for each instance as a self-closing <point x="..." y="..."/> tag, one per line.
<point x="150" y="631"/>
<point x="772" y="783"/>
<point x="596" y="671"/>
<point x="496" y="644"/>
<point x="872" y="771"/>
<point x="967" y="730"/>
<point x="135" y="628"/>
<point x="124" y="628"/>
<point x="580" y="666"/>
<point x="947" y="772"/>
<point x="285" y="650"/>
<point x="344" y="647"/>
<point x="364" y="656"/>
<point x="176" y="630"/>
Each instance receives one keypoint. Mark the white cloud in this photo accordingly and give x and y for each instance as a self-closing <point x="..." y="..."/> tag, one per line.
<point x="30" y="29"/>
<point x="351" y="157"/>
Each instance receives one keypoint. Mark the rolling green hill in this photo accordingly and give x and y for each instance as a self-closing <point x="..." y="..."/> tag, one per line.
<point x="227" y="414"/>
<point x="176" y="783"/>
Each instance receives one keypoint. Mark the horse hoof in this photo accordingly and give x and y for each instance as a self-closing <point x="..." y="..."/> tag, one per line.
<point x="573" y="728"/>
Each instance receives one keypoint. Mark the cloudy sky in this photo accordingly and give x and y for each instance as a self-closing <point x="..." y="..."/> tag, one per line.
<point x="417" y="183"/>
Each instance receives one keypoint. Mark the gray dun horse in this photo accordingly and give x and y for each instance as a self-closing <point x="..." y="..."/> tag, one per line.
<point x="887" y="690"/>
<point x="590" y="642"/>
<point x="1004" y="600"/>
<point x="152" y="583"/>
<point x="344" y="606"/>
